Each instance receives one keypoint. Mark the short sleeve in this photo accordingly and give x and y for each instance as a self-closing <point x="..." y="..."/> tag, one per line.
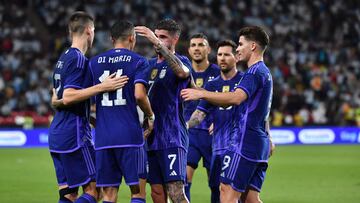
<point x="142" y="72"/>
<point x="76" y="72"/>
<point x="186" y="62"/>
<point x="250" y="83"/>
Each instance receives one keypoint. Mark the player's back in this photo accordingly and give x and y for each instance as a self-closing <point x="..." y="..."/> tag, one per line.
<point x="117" y="121"/>
<point x="222" y="117"/>
<point x="70" y="125"/>
<point x="251" y="138"/>
<point x="164" y="94"/>
<point x="201" y="79"/>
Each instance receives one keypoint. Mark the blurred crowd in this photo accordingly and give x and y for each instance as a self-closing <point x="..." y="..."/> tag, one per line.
<point x="314" y="53"/>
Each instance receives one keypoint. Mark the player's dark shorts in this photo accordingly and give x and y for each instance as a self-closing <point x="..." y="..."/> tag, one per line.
<point x="143" y="163"/>
<point x="167" y="165"/>
<point x="199" y="146"/>
<point x="114" y="163"/>
<point x="241" y="173"/>
<point x="215" y="169"/>
<point x="75" y="168"/>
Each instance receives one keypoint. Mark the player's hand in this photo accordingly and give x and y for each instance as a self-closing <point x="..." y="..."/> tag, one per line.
<point x="211" y="129"/>
<point x="148" y="127"/>
<point x="55" y="101"/>
<point x="147" y="33"/>
<point x="112" y="82"/>
<point x="191" y="94"/>
<point x="272" y="148"/>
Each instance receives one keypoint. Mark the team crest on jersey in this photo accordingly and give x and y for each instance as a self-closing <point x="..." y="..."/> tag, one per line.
<point x="154" y="73"/>
<point x="162" y="73"/>
<point x="226" y="88"/>
<point x="199" y="82"/>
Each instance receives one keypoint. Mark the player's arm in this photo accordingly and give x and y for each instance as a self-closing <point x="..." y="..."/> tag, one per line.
<point x="180" y="70"/>
<point x="223" y="99"/>
<point x="143" y="102"/>
<point x="55" y="101"/>
<point x="93" y="115"/>
<point x="111" y="83"/>
<point x="272" y="145"/>
<point x="196" y="118"/>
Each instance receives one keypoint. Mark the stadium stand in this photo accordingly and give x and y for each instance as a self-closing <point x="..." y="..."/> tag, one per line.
<point x="314" y="53"/>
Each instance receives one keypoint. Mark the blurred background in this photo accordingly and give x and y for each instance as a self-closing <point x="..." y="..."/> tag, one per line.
<point x="314" y="57"/>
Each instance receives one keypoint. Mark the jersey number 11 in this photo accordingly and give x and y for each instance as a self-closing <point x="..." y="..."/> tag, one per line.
<point x="105" y="96"/>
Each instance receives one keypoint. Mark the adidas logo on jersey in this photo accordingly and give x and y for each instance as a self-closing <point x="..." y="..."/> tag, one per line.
<point x="222" y="174"/>
<point x="173" y="173"/>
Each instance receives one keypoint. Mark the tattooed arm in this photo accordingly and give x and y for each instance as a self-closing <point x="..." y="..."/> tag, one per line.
<point x="196" y="118"/>
<point x="175" y="64"/>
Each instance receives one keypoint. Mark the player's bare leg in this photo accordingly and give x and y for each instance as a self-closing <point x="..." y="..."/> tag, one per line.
<point x="252" y="196"/>
<point x="228" y="194"/>
<point x="158" y="194"/>
<point x="92" y="190"/>
<point x="110" y="194"/>
<point x="136" y="192"/>
<point x="142" y="184"/>
<point x="70" y="196"/>
<point x="176" y="192"/>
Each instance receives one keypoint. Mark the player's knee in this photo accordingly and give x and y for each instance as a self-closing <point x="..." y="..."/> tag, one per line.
<point x="68" y="194"/>
<point x="158" y="195"/>
<point x="252" y="197"/>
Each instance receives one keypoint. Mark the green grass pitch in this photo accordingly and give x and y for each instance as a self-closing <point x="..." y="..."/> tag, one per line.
<point x="296" y="174"/>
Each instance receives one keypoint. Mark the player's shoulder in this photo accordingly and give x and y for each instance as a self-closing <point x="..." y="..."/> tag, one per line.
<point x="258" y="68"/>
<point x="102" y="54"/>
<point x="152" y="61"/>
<point x="74" y="56"/>
<point x="215" y="81"/>
<point x="214" y="67"/>
<point x="72" y="53"/>
<point x="183" y="58"/>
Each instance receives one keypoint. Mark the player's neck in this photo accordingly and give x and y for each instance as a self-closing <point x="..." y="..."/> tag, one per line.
<point x="201" y="66"/>
<point x="120" y="45"/>
<point x="254" y="59"/>
<point x="229" y="75"/>
<point x="80" y="43"/>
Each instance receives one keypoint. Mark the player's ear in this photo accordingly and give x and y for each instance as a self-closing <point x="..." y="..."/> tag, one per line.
<point x="112" y="40"/>
<point x="208" y="49"/>
<point x="253" y="46"/>
<point x="131" y="38"/>
<point x="176" y="38"/>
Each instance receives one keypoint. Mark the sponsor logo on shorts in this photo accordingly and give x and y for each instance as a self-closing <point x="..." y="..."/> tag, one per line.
<point x="12" y="138"/>
<point x="282" y="136"/>
<point x="317" y="136"/>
